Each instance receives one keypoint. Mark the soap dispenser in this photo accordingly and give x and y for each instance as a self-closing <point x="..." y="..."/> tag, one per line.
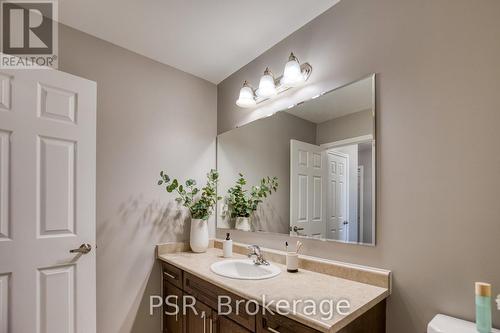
<point x="483" y="307"/>
<point x="227" y="246"/>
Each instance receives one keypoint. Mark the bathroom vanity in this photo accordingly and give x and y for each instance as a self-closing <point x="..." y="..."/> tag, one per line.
<point x="189" y="274"/>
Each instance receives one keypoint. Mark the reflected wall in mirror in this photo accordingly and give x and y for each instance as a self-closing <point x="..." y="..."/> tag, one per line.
<point x="306" y="171"/>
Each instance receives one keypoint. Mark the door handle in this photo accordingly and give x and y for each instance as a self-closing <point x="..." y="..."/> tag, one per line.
<point x="83" y="249"/>
<point x="295" y="229"/>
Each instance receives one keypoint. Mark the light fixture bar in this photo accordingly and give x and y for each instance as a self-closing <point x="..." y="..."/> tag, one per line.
<point x="295" y="74"/>
<point x="306" y="70"/>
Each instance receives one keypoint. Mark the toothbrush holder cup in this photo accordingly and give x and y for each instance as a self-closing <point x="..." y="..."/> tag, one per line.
<point x="292" y="262"/>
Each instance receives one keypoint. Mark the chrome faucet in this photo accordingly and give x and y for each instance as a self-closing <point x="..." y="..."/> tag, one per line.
<point x="259" y="257"/>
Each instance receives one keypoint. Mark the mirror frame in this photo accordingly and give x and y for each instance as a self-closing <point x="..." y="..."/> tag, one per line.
<point x="340" y="144"/>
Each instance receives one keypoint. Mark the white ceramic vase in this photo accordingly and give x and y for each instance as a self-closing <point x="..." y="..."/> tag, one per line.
<point x="198" y="239"/>
<point x="243" y="224"/>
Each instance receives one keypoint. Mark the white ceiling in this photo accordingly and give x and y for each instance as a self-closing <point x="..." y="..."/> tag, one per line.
<point x="355" y="97"/>
<point x="207" y="38"/>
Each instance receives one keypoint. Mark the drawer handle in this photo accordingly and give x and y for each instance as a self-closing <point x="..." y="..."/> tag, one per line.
<point x="272" y="330"/>
<point x="169" y="275"/>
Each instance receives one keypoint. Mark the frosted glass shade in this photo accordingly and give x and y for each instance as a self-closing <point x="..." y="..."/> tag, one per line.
<point x="246" y="98"/>
<point x="267" y="88"/>
<point x="293" y="75"/>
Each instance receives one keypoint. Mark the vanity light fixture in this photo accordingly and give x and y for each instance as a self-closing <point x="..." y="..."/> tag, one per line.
<point x="267" y="87"/>
<point x="294" y="75"/>
<point x="246" y="99"/>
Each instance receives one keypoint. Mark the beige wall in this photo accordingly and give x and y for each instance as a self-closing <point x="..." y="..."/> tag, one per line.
<point x="262" y="149"/>
<point x="438" y="114"/>
<point x="149" y="117"/>
<point x="345" y="127"/>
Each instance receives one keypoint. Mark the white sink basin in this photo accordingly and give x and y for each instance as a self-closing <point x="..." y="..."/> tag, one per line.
<point x="244" y="269"/>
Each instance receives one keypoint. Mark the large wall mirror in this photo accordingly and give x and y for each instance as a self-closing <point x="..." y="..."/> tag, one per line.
<point x="305" y="171"/>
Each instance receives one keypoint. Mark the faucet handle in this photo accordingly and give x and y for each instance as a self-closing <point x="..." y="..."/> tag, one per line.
<point x="255" y="249"/>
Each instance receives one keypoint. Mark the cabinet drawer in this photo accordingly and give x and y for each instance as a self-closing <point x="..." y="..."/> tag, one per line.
<point x="173" y="275"/>
<point x="225" y="325"/>
<point x="209" y="294"/>
<point x="270" y="323"/>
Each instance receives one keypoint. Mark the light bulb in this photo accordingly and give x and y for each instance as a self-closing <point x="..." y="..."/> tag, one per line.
<point x="292" y="75"/>
<point x="246" y="98"/>
<point x="267" y="88"/>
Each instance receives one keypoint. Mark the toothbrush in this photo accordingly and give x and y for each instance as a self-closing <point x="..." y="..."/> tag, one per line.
<point x="299" y="246"/>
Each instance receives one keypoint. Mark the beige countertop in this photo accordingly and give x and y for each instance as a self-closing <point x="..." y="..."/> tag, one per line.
<point x="304" y="285"/>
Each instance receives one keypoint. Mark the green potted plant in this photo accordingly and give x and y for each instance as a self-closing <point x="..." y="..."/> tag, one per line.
<point x="242" y="203"/>
<point x="201" y="204"/>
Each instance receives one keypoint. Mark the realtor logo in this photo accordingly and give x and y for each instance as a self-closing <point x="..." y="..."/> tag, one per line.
<point x="29" y="34"/>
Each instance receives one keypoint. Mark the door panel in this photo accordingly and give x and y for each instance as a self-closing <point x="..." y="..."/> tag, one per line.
<point x="56" y="299"/>
<point x="5" y="91"/>
<point x="47" y="200"/>
<point x="56" y="103"/>
<point x="4" y="303"/>
<point x="303" y="193"/>
<point x="4" y="184"/>
<point x="56" y="184"/>
<point x="317" y="199"/>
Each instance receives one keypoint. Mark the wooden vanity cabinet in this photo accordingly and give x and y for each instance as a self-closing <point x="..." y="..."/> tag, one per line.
<point x="205" y="319"/>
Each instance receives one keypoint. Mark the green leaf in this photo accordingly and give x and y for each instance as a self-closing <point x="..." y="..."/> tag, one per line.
<point x="160" y="182"/>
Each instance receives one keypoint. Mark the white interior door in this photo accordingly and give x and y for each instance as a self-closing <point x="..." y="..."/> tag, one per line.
<point x="307" y="189"/>
<point x="47" y="202"/>
<point x="337" y="196"/>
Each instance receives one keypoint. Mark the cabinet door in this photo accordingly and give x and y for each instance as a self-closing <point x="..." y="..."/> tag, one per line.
<point x="209" y="294"/>
<point x="199" y="318"/>
<point x="172" y="322"/>
<point x="226" y="325"/>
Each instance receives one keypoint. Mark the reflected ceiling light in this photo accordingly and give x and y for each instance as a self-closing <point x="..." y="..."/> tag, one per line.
<point x="247" y="97"/>
<point x="267" y="86"/>
<point x="294" y="75"/>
